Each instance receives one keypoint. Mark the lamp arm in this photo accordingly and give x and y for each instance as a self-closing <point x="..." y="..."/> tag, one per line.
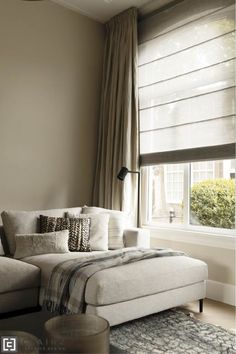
<point x="138" y="172"/>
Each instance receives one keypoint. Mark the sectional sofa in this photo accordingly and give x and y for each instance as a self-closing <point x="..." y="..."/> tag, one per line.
<point x="118" y="294"/>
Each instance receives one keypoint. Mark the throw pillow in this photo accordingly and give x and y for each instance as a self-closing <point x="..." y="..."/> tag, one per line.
<point x="98" y="230"/>
<point x="35" y="244"/>
<point x="79" y="230"/>
<point x="117" y="223"/>
<point x="25" y="222"/>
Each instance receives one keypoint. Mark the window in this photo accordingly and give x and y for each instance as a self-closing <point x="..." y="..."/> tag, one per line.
<point x="198" y="194"/>
<point x="187" y="114"/>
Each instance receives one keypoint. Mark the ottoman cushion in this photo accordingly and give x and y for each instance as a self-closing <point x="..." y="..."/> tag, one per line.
<point x="143" y="278"/>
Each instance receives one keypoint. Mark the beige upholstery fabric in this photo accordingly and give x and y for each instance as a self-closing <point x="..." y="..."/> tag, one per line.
<point x="46" y="262"/>
<point x="143" y="278"/>
<point x="26" y="222"/>
<point x="136" y="237"/>
<point x="132" y="280"/>
<point x="17" y="275"/>
<point x="143" y="306"/>
<point x="34" y="244"/>
<point x="117" y="223"/>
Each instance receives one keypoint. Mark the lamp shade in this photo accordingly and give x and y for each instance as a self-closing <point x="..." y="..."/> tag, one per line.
<point x="122" y="174"/>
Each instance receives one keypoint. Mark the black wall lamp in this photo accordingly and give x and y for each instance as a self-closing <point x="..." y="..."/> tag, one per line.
<point x="121" y="176"/>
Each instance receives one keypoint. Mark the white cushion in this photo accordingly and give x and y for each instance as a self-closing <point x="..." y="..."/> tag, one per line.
<point x="137" y="237"/>
<point x="26" y="222"/>
<point x="34" y="244"/>
<point x="117" y="223"/>
<point x="98" y="230"/>
<point x="143" y="278"/>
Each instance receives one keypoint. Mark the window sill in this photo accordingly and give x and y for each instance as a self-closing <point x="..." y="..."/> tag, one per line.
<point x="192" y="236"/>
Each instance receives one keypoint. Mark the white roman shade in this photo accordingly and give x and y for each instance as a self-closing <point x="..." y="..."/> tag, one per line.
<point x="186" y="82"/>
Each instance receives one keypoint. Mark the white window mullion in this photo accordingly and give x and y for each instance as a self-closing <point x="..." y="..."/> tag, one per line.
<point x="186" y="199"/>
<point x="150" y="194"/>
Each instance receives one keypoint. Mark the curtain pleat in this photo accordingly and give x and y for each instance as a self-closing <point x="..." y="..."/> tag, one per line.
<point x="118" y="130"/>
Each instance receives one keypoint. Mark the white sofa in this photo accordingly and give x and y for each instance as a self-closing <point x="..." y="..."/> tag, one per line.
<point x="122" y="293"/>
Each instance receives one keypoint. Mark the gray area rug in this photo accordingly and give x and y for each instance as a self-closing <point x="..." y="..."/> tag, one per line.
<point x="172" y="332"/>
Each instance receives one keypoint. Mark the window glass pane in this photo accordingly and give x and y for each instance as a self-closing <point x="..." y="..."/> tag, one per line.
<point x="212" y="196"/>
<point x="167" y="190"/>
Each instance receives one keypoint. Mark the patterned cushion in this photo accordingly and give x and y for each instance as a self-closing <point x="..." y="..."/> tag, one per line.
<point x="51" y="223"/>
<point x="79" y="230"/>
<point x="98" y="229"/>
<point x="79" y="235"/>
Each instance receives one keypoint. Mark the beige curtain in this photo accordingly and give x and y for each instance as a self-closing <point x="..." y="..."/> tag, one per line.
<point x="118" y="131"/>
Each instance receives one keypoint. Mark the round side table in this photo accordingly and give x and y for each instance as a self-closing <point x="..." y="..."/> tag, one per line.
<point x="18" y="342"/>
<point x="77" y="334"/>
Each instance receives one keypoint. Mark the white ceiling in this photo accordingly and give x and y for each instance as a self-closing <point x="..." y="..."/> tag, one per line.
<point x="103" y="10"/>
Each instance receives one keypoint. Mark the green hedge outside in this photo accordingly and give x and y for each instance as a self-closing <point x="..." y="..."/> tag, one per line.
<point x="213" y="203"/>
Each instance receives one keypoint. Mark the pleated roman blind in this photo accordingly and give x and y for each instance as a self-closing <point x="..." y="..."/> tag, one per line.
<point x="186" y="82"/>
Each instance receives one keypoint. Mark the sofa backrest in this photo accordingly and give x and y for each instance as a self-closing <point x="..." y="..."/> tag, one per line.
<point x="27" y="222"/>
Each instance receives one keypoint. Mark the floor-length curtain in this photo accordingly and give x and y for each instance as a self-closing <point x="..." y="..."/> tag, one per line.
<point x="118" y="131"/>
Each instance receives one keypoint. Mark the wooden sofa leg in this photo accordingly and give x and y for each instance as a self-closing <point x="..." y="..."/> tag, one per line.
<point x="201" y="305"/>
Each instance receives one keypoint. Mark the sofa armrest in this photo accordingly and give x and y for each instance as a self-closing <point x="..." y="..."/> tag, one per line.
<point x="136" y="237"/>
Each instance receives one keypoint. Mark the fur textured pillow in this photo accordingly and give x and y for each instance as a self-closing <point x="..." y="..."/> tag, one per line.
<point x="34" y="244"/>
<point x="79" y="230"/>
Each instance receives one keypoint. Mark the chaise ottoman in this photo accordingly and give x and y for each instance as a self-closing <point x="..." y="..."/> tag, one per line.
<point x="139" y="289"/>
<point x="134" y="290"/>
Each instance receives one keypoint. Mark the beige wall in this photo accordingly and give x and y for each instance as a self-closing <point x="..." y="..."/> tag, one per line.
<point x="221" y="262"/>
<point x="50" y="76"/>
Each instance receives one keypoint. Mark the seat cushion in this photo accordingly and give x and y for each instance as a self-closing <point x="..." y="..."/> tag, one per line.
<point x="17" y="275"/>
<point x="143" y="278"/>
<point x="26" y="222"/>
